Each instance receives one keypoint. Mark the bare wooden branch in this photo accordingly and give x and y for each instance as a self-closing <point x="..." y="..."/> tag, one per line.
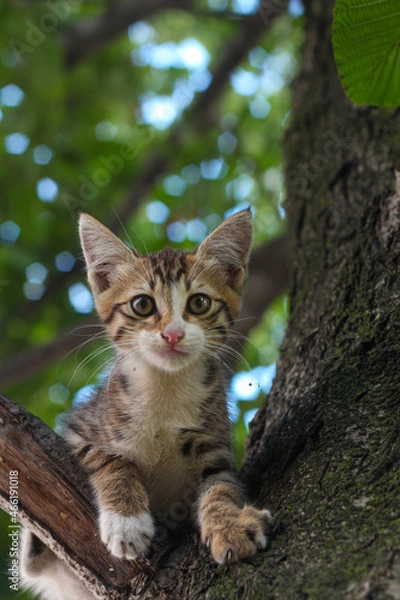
<point x="54" y="498"/>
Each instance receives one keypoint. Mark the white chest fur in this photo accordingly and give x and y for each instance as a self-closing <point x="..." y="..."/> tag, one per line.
<point x="162" y="405"/>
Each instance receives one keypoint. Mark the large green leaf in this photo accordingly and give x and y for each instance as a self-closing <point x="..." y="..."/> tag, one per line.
<point x="366" y="41"/>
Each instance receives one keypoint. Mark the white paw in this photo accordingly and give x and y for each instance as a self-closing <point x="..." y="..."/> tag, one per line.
<point x="126" y="537"/>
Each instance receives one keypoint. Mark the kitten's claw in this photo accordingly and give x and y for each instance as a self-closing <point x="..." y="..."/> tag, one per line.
<point x="126" y="537"/>
<point x="243" y="534"/>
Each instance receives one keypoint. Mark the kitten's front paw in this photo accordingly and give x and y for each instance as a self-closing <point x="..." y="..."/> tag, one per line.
<point x="126" y="537"/>
<point x="239" y="535"/>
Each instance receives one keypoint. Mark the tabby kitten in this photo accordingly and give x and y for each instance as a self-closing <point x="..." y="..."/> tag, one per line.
<point x="155" y="437"/>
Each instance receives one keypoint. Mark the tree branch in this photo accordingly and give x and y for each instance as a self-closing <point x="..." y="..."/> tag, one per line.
<point x="268" y="279"/>
<point x="251" y="31"/>
<point x="86" y="37"/>
<point x="54" y="497"/>
<point x="24" y="366"/>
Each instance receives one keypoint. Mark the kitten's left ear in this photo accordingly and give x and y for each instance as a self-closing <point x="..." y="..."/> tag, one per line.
<point x="230" y="246"/>
<point x="104" y="253"/>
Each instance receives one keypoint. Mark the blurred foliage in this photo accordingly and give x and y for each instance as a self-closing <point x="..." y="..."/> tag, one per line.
<point x="79" y="124"/>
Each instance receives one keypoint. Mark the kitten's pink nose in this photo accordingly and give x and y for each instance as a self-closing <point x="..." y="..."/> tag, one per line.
<point x="172" y="337"/>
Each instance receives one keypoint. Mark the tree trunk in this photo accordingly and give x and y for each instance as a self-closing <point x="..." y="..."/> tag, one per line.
<point x="324" y="451"/>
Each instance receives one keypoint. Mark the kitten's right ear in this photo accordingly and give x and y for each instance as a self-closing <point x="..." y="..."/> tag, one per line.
<point x="103" y="252"/>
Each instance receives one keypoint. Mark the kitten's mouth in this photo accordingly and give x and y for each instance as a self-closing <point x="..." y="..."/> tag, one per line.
<point x="172" y="351"/>
<point x="171" y="358"/>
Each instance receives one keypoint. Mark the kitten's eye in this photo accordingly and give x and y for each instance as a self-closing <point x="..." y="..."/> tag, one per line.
<point x="198" y="304"/>
<point x="144" y="306"/>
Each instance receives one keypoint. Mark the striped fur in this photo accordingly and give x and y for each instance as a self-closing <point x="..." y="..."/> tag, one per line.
<point x="155" y="438"/>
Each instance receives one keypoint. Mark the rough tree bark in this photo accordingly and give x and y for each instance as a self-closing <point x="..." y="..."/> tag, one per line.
<point x="324" y="452"/>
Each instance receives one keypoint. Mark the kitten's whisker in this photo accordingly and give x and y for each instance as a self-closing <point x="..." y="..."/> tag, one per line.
<point x="87" y="326"/>
<point x="240" y="337"/>
<point x="234" y="353"/>
<point x="93" y="338"/>
<point x="235" y="333"/>
<point x="223" y="349"/>
<point x="144" y="280"/>
<point x="124" y="230"/>
<point x="241" y="319"/>
<point x="231" y="336"/>
<point x="103" y="367"/>
<point x="245" y="339"/>
<point x="228" y="367"/>
<point x="93" y="355"/>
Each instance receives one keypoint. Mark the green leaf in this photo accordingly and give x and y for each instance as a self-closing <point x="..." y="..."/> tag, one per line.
<point x="366" y="42"/>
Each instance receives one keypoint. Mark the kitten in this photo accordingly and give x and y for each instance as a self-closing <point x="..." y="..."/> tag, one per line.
<point x="155" y="437"/>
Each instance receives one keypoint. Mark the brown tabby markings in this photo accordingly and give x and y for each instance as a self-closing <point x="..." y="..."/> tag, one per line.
<point x="155" y="437"/>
